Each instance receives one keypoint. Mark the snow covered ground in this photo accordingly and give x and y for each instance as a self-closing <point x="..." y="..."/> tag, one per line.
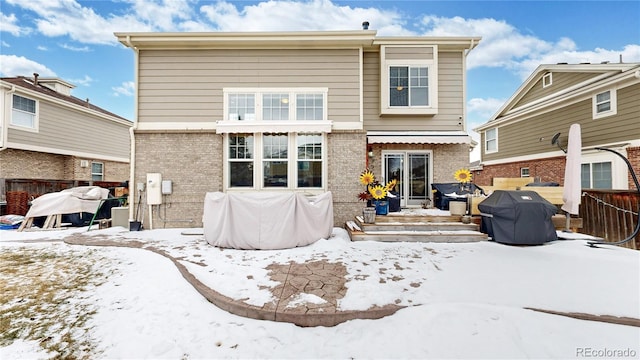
<point x="464" y="300"/>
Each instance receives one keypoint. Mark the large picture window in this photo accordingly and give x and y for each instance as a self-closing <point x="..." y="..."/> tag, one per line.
<point x="256" y="104"/>
<point x="24" y="112"/>
<point x="275" y="164"/>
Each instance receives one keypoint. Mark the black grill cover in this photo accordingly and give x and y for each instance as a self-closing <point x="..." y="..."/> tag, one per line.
<point x="518" y="217"/>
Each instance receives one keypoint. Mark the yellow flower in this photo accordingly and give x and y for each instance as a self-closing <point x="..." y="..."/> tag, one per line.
<point x="462" y="175"/>
<point x="391" y="185"/>
<point x="378" y="192"/>
<point x="367" y="177"/>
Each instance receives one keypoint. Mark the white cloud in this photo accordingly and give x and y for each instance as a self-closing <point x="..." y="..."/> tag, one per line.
<point x="284" y="15"/>
<point x="12" y="65"/>
<point x="9" y="24"/>
<point x="505" y="46"/>
<point x="5" y="44"/>
<point x="75" y="48"/>
<point x="127" y="89"/>
<point x="86" y="81"/>
<point x="484" y="108"/>
<point x="42" y="48"/>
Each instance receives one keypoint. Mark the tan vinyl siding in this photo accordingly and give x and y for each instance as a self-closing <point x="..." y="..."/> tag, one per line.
<point x="450" y="98"/>
<point x="408" y="53"/>
<point x="523" y="138"/>
<point x="74" y="131"/>
<point x="560" y="81"/>
<point x="187" y="85"/>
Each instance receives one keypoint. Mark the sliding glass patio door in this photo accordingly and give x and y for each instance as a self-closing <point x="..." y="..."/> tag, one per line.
<point x="412" y="169"/>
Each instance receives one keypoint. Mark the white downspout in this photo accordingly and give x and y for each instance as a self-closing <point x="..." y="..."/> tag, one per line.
<point x="132" y="157"/>
<point x="5" y="122"/>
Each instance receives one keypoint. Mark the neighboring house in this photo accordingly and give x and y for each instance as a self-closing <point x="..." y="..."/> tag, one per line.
<point x="603" y="98"/>
<point x="48" y="134"/>
<point x="294" y="111"/>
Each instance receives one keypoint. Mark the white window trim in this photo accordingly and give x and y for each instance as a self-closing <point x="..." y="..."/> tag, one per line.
<point x="36" y="119"/>
<point x="547" y="80"/>
<point x="613" y="99"/>
<point x="522" y="172"/>
<point x="258" y="92"/>
<point x="292" y="166"/>
<point x="432" y="64"/>
<point x="619" y="170"/>
<point x="486" y="141"/>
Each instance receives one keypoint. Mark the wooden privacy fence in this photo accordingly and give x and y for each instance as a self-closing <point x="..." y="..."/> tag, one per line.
<point x="610" y="214"/>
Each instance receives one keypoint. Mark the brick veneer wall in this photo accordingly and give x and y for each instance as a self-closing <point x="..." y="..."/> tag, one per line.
<point x="633" y="154"/>
<point x="192" y="161"/>
<point x="548" y="170"/>
<point x="346" y="159"/>
<point x="21" y="164"/>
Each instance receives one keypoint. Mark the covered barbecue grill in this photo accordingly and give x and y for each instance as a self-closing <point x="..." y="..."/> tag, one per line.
<point x="518" y="217"/>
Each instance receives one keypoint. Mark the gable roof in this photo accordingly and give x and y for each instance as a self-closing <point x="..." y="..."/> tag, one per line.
<point x="28" y="83"/>
<point x="604" y="73"/>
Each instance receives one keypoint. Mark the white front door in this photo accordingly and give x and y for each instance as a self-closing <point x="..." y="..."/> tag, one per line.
<point x="412" y="169"/>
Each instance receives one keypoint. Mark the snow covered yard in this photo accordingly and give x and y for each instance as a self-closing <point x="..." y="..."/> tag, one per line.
<point x="462" y="300"/>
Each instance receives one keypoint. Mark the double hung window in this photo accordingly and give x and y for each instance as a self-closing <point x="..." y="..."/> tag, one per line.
<point x="24" y="112"/>
<point x="604" y="104"/>
<point x="97" y="171"/>
<point x="491" y="140"/>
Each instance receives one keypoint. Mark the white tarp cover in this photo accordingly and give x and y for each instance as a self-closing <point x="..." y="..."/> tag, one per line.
<point x="266" y="220"/>
<point x="68" y="201"/>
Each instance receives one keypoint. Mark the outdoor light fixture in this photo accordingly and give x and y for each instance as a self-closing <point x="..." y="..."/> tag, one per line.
<point x="556" y="141"/>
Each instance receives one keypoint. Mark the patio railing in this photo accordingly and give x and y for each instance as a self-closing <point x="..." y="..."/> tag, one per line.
<point x="611" y="215"/>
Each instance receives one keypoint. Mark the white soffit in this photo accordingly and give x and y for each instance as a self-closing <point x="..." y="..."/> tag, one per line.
<point x="420" y="137"/>
<point x="318" y="126"/>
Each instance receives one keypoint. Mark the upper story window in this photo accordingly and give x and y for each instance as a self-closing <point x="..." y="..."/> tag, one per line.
<point x="409" y="78"/>
<point x="604" y="104"/>
<point x="408" y="86"/>
<point x="276" y="104"/>
<point x="97" y="171"/>
<point x="24" y="112"/>
<point x="547" y="80"/>
<point x="491" y="140"/>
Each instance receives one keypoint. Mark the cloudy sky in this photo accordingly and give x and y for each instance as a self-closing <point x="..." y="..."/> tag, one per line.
<point x="74" y="40"/>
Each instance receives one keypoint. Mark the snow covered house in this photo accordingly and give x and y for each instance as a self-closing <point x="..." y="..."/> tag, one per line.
<point x="293" y="111"/>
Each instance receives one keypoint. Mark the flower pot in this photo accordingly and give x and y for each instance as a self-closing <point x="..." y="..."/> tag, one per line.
<point x="382" y="207"/>
<point x="369" y="215"/>
<point x="457" y="207"/>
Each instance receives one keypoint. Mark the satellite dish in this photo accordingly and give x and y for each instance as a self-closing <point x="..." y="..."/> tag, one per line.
<point x="555" y="140"/>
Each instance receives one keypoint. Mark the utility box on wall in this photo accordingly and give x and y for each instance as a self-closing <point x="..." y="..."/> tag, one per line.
<point x="154" y="190"/>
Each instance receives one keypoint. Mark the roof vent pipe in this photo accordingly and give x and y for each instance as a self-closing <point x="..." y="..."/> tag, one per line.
<point x="35" y="78"/>
<point x="365" y="25"/>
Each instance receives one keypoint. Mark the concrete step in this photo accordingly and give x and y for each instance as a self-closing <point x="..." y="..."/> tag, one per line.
<point x="441" y="236"/>
<point x="414" y="226"/>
